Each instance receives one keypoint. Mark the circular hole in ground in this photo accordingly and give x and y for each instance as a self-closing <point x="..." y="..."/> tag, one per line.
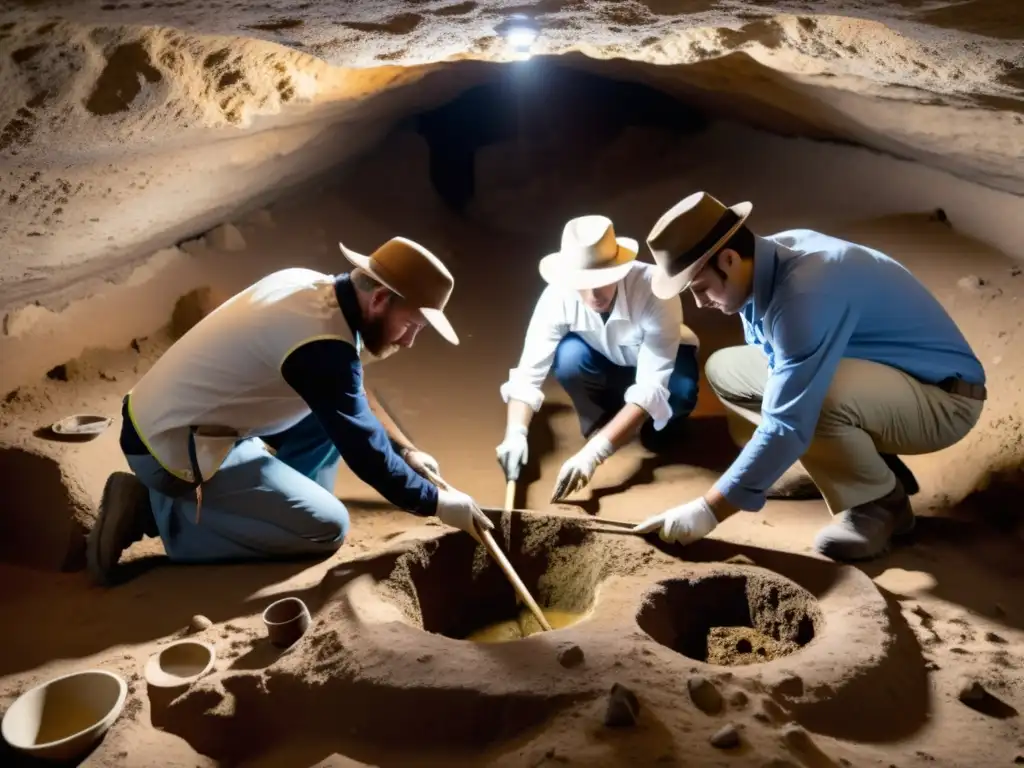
<point x="452" y="587"/>
<point x="732" y="619"/>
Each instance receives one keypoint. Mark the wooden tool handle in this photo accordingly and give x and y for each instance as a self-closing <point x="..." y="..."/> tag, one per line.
<point x="510" y="494"/>
<point x="499" y="557"/>
<point x="513" y="577"/>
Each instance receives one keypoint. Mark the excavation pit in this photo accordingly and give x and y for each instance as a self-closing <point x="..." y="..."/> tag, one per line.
<point x="732" y="619"/>
<point x="451" y="587"/>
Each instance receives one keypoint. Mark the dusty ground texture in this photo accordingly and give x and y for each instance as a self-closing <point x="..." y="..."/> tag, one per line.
<point x="368" y="684"/>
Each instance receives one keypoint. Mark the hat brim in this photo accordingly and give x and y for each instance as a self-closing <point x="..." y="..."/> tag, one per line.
<point x="554" y="273"/>
<point x="666" y="286"/>
<point x="436" y="317"/>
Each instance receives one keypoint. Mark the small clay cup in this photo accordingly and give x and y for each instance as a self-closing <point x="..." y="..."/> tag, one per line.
<point x="287" y="620"/>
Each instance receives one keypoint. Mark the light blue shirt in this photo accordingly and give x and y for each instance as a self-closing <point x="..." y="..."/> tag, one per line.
<point x="817" y="299"/>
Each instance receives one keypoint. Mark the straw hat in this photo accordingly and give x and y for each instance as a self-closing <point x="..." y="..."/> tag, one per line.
<point x="687" y="236"/>
<point x="591" y="255"/>
<point x="415" y="274"/>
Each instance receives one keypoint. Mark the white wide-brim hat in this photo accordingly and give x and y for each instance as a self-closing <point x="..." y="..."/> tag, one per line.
<point x="591" y="255"/>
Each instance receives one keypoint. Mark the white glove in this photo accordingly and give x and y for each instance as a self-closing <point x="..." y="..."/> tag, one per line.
<point x="682" y="525"/>
<point x="421" y="462"/>
<point x="458" y="510"/>
<point x="577" y="472"/>
<point x="513" y="452"/>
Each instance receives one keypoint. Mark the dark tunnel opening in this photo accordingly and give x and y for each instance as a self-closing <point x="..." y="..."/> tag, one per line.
<point x="543" y="104"/>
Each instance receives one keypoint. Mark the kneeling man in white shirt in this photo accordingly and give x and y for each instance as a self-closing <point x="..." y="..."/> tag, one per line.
<point x="624" y="356"/>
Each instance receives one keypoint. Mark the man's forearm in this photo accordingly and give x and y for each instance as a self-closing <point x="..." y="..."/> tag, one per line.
<point x="624" y="425"/>
<point x="394" y="432"/>
<point x="519" y="414"/>
<point x="721" y="507"/>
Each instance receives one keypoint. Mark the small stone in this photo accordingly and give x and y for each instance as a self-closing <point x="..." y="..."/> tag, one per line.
<point x="970" y="283"/>
<point x="570" y="656"/>
<point x="198" y="623"/>
<point x="971" y="691"/>
<point x="623" y="707"/>
<point x="704" y="694"/>
<point x="423" y="658"/>
<point x="992" y="637"/>
<point x="791" y="685"/>
<point x="797" y="738"/>
<point x="773" y="711"/>
<point x="194" y="247"/>
<point x="740" y="560"/>
<point x="726" y="737"/>
<point x="931" y="666"/>
<point x="738" y="699"/>
<point x="226" y="237"/>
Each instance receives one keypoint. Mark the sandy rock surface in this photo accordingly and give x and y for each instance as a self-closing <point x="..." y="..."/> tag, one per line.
<point x="127" y="126"/>
<point x="917" y="659"/>
<point x="157" y="157"/>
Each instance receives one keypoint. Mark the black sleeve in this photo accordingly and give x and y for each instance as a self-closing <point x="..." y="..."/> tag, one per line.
<point x="328" y="375"/>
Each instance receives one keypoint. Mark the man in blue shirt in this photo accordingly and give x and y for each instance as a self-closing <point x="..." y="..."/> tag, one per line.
<point x="849" y="361"/>
<point x="235" y="435"/>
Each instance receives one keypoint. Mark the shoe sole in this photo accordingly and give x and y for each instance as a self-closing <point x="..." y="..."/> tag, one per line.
<point x="100" y="574"/>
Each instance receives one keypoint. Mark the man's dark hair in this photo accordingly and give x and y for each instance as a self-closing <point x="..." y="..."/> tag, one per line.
<point x="742" y="241"/>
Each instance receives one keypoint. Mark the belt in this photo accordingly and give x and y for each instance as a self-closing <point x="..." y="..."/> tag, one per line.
<point x="960" y="387"/>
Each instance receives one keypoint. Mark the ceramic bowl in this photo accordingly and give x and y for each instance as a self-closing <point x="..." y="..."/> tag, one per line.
<point x="180" y="664"/>
<point x="81" y="425"/>
<point x="286" y="620"/>
<point x="63" y="718"/>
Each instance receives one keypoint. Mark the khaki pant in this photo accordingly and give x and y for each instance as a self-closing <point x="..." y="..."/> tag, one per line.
<point x="869" y="409"/>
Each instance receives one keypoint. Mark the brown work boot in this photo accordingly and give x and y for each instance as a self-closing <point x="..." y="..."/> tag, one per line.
<point x="864" y="532"/>
<point x="124" y="517"/>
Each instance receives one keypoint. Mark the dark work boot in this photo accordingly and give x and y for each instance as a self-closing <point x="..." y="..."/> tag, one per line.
<point x="902" y="472"/>
<point x="124" y="517"/>
<point x="865" y="531"/>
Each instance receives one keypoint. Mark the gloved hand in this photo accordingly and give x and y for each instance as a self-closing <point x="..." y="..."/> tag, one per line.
<point x="513" y="452"/>
<point x="421" y="462"/>
<point x="577" y="472"/>
<point x="458" y="510"/>
<point x="684" y="524"/>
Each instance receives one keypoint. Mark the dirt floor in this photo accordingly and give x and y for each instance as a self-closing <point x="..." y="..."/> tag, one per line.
<point x="882" y="652"/>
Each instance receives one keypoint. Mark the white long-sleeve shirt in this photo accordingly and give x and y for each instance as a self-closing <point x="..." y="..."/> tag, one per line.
<point x="642" y="331"/>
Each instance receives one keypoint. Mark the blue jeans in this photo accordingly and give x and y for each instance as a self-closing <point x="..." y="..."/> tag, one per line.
<point x="597" y="386"/>
<point x="256" y="506"/>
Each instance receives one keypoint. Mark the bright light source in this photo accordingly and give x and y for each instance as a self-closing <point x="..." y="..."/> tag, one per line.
<point x="521" y="38"/>
<point x="520" y="33"/>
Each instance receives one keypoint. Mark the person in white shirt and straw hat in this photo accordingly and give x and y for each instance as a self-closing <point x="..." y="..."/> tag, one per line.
<point x="849" y="362"/>
<point x="624" y="356"/>
<point x="279" y="364"/>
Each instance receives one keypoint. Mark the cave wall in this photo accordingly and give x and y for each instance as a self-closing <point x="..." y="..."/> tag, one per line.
<point x="128" y="127"/>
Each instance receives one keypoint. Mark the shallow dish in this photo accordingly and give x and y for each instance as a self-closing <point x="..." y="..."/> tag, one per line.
<point x="81" y="425"/>
<point x="180" y="664"/>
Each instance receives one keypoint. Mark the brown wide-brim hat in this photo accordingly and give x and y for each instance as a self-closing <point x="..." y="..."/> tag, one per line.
<point x="687" y="236"/>
<point x="413" y="273"/>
